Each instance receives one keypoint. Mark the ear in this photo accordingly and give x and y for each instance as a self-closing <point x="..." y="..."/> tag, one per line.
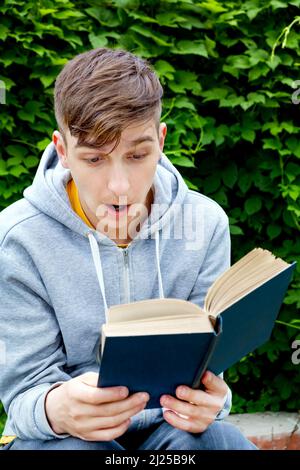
<point x="60" y="146"/>
<point x="162" y="134"/>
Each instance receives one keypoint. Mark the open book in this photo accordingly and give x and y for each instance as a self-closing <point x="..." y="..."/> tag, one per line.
<point x="157" y="344"/>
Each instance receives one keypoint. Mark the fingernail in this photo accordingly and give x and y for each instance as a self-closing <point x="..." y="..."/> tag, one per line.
<point x="123" y="392"/>
<point x="182" y="391"/>
<point x="144" y="397"/>
<point x="208" y="377"/>
<point x="164" y="401"/>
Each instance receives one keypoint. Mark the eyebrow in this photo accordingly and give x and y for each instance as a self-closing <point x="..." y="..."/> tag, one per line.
<point x="139" y="140"/>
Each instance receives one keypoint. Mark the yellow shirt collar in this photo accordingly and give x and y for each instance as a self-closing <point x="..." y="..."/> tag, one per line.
<point x="75" y="202"/>
<point x="77" y="208"/>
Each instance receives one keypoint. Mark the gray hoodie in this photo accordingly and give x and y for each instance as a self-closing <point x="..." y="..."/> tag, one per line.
<point x="58" y="276"/>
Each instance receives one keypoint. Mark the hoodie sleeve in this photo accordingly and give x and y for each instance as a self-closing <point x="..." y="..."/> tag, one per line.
<point x="216" y="261"/>
<point x="34" y="353"/>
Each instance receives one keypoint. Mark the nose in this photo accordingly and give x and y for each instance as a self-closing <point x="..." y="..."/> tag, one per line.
<point x="118" y="182"/>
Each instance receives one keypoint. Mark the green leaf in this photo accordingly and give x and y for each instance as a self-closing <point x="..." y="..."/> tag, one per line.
<point x="190" y="47"/>
<point x="42" y="144"/>
<point x="248" y="134"/>
<point x="134" y="4"/>
<point x="214" y="94"/>
<point x="185" y="80"/>
<point x="239" y="62"/>
<point x="243" y="368"/>
<point x="244" y="182"/>
<point x="182" y="161"/>
<point x="18" y="170"/>
<point x="157" y="37"/>
<point x="231" y="101"/>
<point x="256" y="98"/>
<point x="253" y="205"/>
<point x="13" y="161"/>
<point x="142" y="17"/>
<point x="221" y="198"/>
<point x="183" y="102"/>
<point x="273" y="144"/>
<point x="3" y="32"/>
<point x="98" y="41"/>
<point x="235" y="230"/>
<point x="104" y="15"/>
<point x="273" y="231"/>
<point x="258" y="71"/>
<point x="230" y="174"/>
<point x="16" y="151"/>
<point x="164" y="69"/>
<point x="3" y="171"/>
<point x="285" y="390"/>
<point x="253" y="12"/>
<point x="26" y="116"/>
<point x="47" y="11"/>
<point x="7" y="82"/>
<point x="211" y="47"/>
<point x="190" y="184"/>
<point x="293" y="144"/>
<point x="211" y="183"/>
<point x="170" y="19"/>
<point x="31" y="162"/>
<point x="213" y="6"/>
<point x="220" y="133"/>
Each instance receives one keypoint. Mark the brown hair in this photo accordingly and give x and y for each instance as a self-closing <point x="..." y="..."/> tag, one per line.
<point x="100" y="92"/>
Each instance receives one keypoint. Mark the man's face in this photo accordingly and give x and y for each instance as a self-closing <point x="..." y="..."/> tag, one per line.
<point x="124" y="176"/>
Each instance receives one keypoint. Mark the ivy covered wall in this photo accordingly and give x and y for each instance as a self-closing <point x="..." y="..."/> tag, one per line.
<point x="229" y="71"/>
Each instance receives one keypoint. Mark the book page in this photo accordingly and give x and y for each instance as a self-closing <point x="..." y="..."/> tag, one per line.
<point x="235" y="271"/>
<point x="151" y="309"/>
<point x="230" y="297"/>
<point x="251" y="271"/>
<point x="244" y="282"/>
<point x="169" y="325"/>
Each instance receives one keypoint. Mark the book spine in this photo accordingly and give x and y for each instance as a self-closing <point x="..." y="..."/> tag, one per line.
<point x="203" y="366"/>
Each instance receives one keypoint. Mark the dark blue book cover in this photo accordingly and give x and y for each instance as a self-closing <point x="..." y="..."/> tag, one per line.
<point x="159" y="363"/>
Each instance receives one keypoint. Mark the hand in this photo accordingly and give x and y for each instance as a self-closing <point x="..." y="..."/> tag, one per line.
<point x="199" y="408"/>
<point x="79" y="408"/>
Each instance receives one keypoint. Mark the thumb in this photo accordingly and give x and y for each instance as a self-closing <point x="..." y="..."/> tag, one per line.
<point x="89" y="378"/>
<point x="214" y="384"/>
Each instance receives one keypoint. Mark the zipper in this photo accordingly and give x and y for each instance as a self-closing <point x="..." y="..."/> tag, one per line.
<point x="126" y="275"/>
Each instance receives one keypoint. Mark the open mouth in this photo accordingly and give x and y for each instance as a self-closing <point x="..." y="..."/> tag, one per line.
<point x="117" y="208"/>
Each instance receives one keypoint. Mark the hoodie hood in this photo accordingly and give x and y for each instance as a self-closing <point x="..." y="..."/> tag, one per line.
<point x="48" y="194"/>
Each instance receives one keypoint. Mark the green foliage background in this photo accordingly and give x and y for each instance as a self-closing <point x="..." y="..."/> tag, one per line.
<point x="232" y="126"/>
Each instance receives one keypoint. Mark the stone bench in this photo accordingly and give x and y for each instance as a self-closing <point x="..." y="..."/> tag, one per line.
<point x="270" y="430"/>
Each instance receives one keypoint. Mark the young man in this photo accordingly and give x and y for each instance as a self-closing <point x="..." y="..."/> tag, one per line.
<point x="93" y="230"/>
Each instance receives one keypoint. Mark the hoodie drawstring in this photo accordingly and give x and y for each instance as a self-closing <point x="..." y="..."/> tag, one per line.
<point x="98" y="265"/>
<point x="97" y="262"/>
<point x="160" y="286"/>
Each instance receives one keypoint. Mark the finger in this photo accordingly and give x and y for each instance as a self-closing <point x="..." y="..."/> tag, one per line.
<point x="97" y="395"/>
<point x="196" y="397"/>
<point x="111" y="409"/>
<point x="179" y="406"/>
<point x="107" y="434"/>
<point x="183" y="424"/>
<point x="214" y="384"/>
<point x="117" y="407"/>
<point x="202" y="403"/>
<point x="89" y="378"/>
<point x="113" y="421"/>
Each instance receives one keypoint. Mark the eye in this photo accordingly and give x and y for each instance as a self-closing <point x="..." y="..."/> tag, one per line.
<point x="93" y="160"/>
<point x="138" y="157"/>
